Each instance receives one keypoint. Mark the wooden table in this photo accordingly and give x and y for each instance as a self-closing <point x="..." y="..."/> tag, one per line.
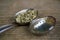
<point x="8" y="8"/>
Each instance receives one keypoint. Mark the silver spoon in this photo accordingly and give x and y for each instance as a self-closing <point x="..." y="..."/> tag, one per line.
<point x="24" y="11"/>
<point x="42" y="25"/>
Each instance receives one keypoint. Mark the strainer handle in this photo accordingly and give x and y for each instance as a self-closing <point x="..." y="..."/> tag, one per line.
<point x="5" y="27"/>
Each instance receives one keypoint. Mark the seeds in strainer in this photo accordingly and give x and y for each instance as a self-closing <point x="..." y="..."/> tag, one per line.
<point x="27" y="16"/>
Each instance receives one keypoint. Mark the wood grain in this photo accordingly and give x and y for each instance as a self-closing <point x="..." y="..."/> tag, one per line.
<point x="8" y="8"/>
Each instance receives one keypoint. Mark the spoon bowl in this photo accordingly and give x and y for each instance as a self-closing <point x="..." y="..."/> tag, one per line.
<point x="24" y="17"/>
<point x="42" y="25"/>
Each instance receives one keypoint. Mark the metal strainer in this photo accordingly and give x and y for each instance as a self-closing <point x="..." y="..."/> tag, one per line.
<point x="22" y="17"/>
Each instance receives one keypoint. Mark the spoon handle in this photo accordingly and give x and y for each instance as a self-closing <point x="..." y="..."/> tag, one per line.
<point x="5" y="27"/>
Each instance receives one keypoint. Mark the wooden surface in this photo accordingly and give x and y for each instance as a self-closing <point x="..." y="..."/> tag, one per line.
<point x="8" y="8"/>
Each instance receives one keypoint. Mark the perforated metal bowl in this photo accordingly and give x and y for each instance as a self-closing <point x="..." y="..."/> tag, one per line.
<point x="24" y="17"/>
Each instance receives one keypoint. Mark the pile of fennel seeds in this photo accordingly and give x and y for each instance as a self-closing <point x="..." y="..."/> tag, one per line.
<point x="27" y="16"/>
<point x="51" y="20"/>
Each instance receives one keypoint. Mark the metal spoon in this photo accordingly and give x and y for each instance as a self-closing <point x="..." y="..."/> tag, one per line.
<point x="8" y="26"/>
<point x="42" y="25"/>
